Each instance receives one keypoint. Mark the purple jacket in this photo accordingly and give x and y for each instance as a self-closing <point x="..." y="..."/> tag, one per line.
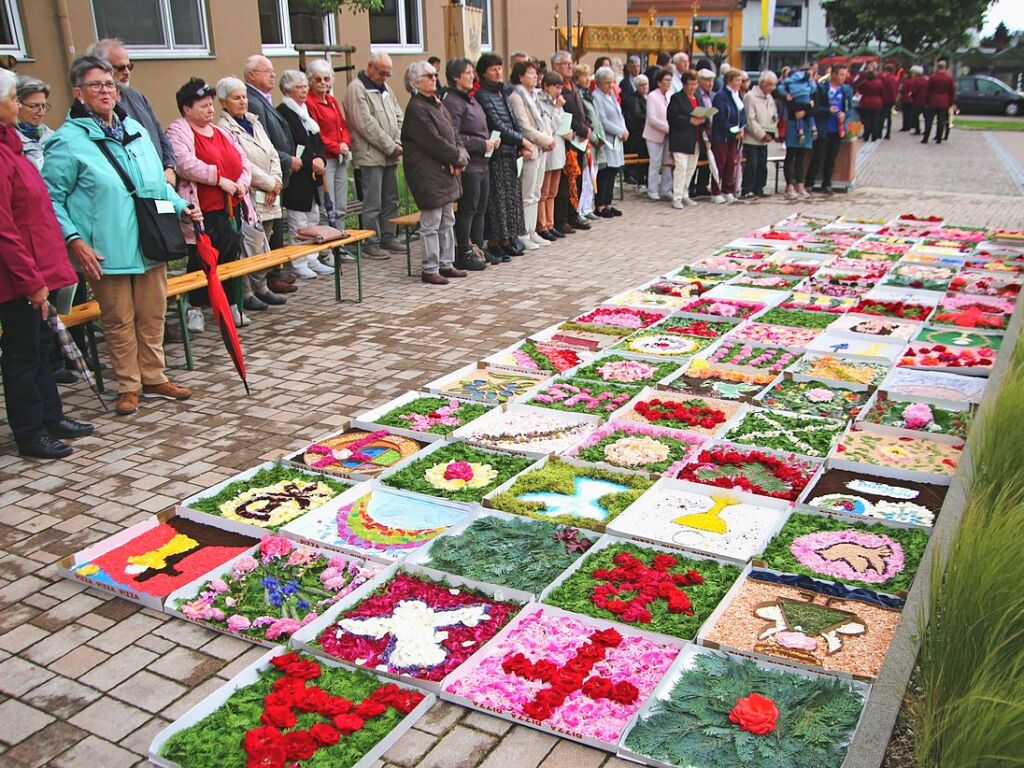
<point x="471" y="124"/>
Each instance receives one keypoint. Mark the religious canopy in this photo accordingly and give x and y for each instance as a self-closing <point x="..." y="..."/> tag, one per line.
<point x="625" y="37"/>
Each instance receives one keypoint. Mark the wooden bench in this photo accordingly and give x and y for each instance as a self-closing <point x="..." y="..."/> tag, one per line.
<point x="409" y="222"/>
<point x="179" y="286"/>
<point x="637" y="160"/>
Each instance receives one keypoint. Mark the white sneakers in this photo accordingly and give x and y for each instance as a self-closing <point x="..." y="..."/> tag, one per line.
<point x="689" y="201"/>
<point x="195" y="321"/>
<point x="677" y="204"/>
<point x="320" y="269"/>
<point x="528" y="243"/>
<point x="302" y="271"/>
<point x="730" y="198"/>
<point x="240" y="318"/>
<point x="718" y="200"/>
<point x="540" y="241"/>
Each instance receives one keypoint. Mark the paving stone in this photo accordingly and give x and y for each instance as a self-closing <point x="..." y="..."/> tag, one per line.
<point x="118" y="668"/>
<point x="62" y="696"/>
<point x="138" y="740"/>
<point x="110" y="719"/>
<point x="95" y="621"/>
<point x="79" y="661"/>
<point x="186" y="666"/>
<point x="569" y="754"/>
<point x="482" y="722"/>
<point x="40" y="749"/>
<point x="440" y="718"/>
<point x="20" y="721"/>
<point x="67" y="611"/>
<point x="18" y="676"/>
<point x="185" y="633"/>
<point x="59" y="644"/>
<point x="149" y="691"/>
<point x="521" y="747"/>
<point x="410" y="748"/>
<point x="21" y="637"/>
<point x="460" y="748"/>
<point x="124" y="633"/>
<point x="94" y="751"/>
<point x="177" y="708"/>
<point x="226" y="647"/>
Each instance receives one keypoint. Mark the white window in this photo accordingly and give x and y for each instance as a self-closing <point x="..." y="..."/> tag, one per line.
<point x="710" y="26"/>
<point x="789" y="13"/>
<point x="157" y="27"/>
<point x="12" y="42"/>
<point x="485" y="28"/>
<point x="633" y="21"/>
<point x="285" y="23"/>
<point x="665" y="21"/>
<point x="397" y="26"/>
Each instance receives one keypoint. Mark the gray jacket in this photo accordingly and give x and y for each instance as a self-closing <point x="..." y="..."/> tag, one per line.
<point x="277" y="129"/>
<point x="137" y="105"/>
<point x="374" y="122"/>
<point x="614" y="126"/>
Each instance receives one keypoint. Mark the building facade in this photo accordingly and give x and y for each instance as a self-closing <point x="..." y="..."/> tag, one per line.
<point x="797" y="31"/>
<point x="173" y="40"/>
<point x="720" y="18"/>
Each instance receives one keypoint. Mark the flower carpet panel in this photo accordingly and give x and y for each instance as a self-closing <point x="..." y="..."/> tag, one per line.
<point x="860" y="494"/>
<point x="662" y="344"/>
<point x="291" y="709"/>
<point x="701" y="280"/>
<point x="514" y="552"/>
<point x="941" y="357"/>
<point x="967" y="311"/>
<point x="570" y="494"/>
<point x="906" y="310"/>
<point x="717" y="309"/>
<point x="572" y="676"/>
<point x="670" y="410"/>
<point x="915" y="457"/>
<point x="805" y="435"/>
<point x="616" y="321"/>
<point x="766" y="282"/>
<point x="375" y="523"/>
<point x="580" y="395"/>
<point x="909" y="417"/>
<point x="717" y="711"/>
<point x="934" y="385"/>
<point x="797" y="318"/>
<point x="873" y="327"/>
<point x="869" y="350"/>
<point x="959" y="338"/>
<point x="640" y="447"/>
<point x="804" y="302"/>
<point x="815" y="398"/>
<point x="763" y="473"/>
<point x="150" y="560"/>
<point x="488" y="385"/>
<point x="617" y="369"/>
<point x="457" y="472"/>
<point x="426" y="414"/>
<point x="1003" y="286"/>
<point x="702" y="329"/>
<point x="749" y="358"/>
<point x="522" y="429"/>
<point x="645" y="587"/>
<point x="663" y="295"/>
<point x="410" y="627"/>
<point x="802" y="621"/>
<point x="921" y="276"/>
<point x="869" y="555"/>
<point x="264" y="499"/>
<point x="269" y="593"/>
<point x="835" y="368"/>
<point x="765" y="334"/>
<point x="357" y="454"/>
<point x="723" y="384"/>
<point x="698" y="518"/>
<point x="537" y="357"/>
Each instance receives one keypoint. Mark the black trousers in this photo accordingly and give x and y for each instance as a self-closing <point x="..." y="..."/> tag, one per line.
<point x="871" y="118"/>
<point x="886" y="126"/>
<point x="755" y="170"/>
<point x="30" y="393"/>
<point x="915" y="120"/>
<point x="562" y="206"/>
<point x="823" y="159"/>
<point x="469" y="218"/>
<point x="228" y="241"/>
<point x="796" y="164"/>
<point x="700" y="186"/>
<point x="605" y="187"/>
<point x="940" y="117"/>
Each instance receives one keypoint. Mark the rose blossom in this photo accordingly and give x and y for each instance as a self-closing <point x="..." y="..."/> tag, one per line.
<point x="917" y="415"/>
<point x="275" y="546"/>
<point x="238" y="623"/>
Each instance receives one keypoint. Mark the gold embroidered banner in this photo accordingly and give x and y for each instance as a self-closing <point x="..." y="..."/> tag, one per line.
<point x="627" y="37"/>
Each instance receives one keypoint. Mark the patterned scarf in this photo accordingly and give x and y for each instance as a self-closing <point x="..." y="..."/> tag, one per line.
<point x="572" y="171"/>
<point x="113" y="131"/>
<point x="34" y="132"/>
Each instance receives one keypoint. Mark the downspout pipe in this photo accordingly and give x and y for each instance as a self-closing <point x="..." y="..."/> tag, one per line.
<point x="67" y="40"/>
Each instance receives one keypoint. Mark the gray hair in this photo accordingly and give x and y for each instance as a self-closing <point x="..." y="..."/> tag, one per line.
<point x="29" y="85"/>
<point x="917" y="69"/>
<point x="101" y="48"/>
<point x="228" y="85"/>
<point x="291" y="78"/>
<point x="641" y="79"/>
<point x="518" y="55"/>
<point x="8" y="83"/>
<point x="320" y="67"/>
<point x="415" y="71"/>
<point x="378" y="57"/>
<point x="633" y="60"/>
<point x="84" y="64"/>
<point x="558" y="56"/>
<point x="680" y="56"/>
<point x="253" y="62"/>
<point x="767" y="74"/>
<point x="604" y="73"/>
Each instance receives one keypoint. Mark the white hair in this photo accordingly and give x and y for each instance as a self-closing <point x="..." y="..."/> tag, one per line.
<point x="917" y="69"/>
<point x="228" y="85"/>
<point x="415" y="71"/>
<point x="518" y="55"/>
<point x="641" y="80"/>
<point x="378" y="57"/>
<point x="101" y="48"/>
<point x="767" y="74"/>
<point x="8" y="83"/>
<point x="320" y="67"/>
<point x="680" y="56"/>
<point x="253" y="63"/>
<point x="559" y="56"/>
<point x="633" y="60"/>
<point x="291" y="78"/>
<point x="604" y="73"/>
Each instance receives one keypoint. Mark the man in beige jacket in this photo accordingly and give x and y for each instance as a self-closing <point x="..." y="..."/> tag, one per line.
<point x="762" y="130"/>
<point x="375" y="124"/>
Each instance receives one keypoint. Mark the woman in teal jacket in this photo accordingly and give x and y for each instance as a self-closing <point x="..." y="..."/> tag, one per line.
<point x="97" y="217"/>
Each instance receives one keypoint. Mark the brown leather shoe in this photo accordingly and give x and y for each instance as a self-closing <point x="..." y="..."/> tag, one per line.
<point x="127" y="403"/>
<point x="566" y="229"/>
<point x="281" y="286"/>
<point x="167" y="391"/>
<point x="453" y="272"/>
<point x="433" y="278"/>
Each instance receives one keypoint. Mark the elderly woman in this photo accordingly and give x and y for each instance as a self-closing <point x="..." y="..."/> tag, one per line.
<point x="523" y="101"/>
<point x="301" y="199"/>
<point x="213" y="175"/>
<point x="611" y="156"/>
<point x="32" y="98"/>
<point x="97" y="216"/>
<point x="762" y="128"/>
<point x="32" y="263"/>
<point x="726" y="134"/>
<point x="505" y="218"/>
<point x="588" y="160"/>
<point x="434" y="159"/>
<point x="471" y="123"/>
<point x="325" y="109"/>
<point x="265" y="166"/>
<point x="659" y="176"/>
<point x="634" y="109"/>
<point x="554" y="198"/>
<point x="683" y="138"/>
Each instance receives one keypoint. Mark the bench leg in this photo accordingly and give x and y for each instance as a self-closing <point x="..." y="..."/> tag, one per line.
<point x="776" y="178"/>
<point x="94" y="358"/>
<point x="359" y="272"/>
<point x="186" y="336"/>
<point x="408" y="251"/>
<point x="622" y="188"/>
<point x="337" y="274"/>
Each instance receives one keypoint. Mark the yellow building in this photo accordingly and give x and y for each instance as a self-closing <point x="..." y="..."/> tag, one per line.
<point x="721" y="18"/>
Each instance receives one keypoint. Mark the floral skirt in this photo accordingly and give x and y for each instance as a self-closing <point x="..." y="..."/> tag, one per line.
<point x="505" y="219"/>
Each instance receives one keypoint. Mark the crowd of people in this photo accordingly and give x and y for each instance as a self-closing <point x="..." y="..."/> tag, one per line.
<point x="501" y="158"/>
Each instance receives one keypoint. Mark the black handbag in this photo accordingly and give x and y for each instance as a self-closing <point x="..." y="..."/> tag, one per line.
<point x="160" y="235"/>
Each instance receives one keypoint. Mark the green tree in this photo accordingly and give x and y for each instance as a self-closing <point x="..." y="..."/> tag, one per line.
<point x="712" y="46"/>
<point x="913" y="24"/>
<point x="333" y="6"/>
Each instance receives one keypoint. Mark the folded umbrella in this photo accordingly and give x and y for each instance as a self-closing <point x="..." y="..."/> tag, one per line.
<point x="332" y="216"/>
<point x="208" y="256"/>
<point x="71" y="351"/>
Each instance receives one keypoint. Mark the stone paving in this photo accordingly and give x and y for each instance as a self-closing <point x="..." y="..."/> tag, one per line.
<point x="87" y="680"/>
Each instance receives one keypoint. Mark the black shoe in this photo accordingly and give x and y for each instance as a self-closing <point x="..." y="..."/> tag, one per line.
<point x="938" y="141"/>
<point x="565" y="229"/>
<point x="494" y="253"/>
<point x="605" y="214"/>
<point x="469" y="263"/>
<point x="615" y="211"/>
<point x="762" y="193"/>
<point x="924" y="140"/>
<point x="508" y="250"/>
<point x="547" y="236"/>
<point x="64" y="376"/>
<point x="916" y="133"/>
<point x="747" y="196"/>
<point x="272" y="299"/>
<point x="69" y="429"/>
<point x="254" y="304"/>
<point x="580" y="224"/>
<point x="827" y="191"/>
<point x="517" y="245"/>
<point x="44" y="447"/>
<point x="505" y="259"/>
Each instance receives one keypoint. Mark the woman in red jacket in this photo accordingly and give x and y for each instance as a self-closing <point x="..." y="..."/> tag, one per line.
<point x="871" y="92"/>
<point x="325" y="110"/>
<point x="33" y="263"/>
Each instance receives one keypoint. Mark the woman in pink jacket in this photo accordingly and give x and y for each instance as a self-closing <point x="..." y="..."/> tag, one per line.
<point x="214" y="175"/>
<point x="33" y="263"/>
<point x="659" y="177"/>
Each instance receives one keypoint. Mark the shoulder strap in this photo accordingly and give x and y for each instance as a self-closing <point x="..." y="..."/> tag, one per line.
<point x="117" y="167"/>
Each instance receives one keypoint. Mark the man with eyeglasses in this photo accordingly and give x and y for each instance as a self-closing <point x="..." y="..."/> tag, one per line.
<point x="375" y="124"/>
<point x="134" y="102"/>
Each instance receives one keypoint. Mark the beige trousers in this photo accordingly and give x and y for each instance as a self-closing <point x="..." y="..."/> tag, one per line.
<point x="132" y="309"/>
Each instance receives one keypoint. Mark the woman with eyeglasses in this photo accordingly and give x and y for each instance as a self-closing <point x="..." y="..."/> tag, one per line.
<point x="97" y="216"/>
<point x="32" y="98"/>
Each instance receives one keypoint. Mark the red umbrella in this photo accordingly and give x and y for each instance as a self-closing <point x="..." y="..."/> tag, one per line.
<point x="219" y="302"/>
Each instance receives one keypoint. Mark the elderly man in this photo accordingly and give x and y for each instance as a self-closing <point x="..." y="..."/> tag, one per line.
<point x="701" y="186"/>
<point x="680" y="64"/>
<point x="561" y="62"/>
<point x="375" y="124"/>
<point x="627" y="85"/>
<point x="762" y="128"/>
<point x="133" y="102"/>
